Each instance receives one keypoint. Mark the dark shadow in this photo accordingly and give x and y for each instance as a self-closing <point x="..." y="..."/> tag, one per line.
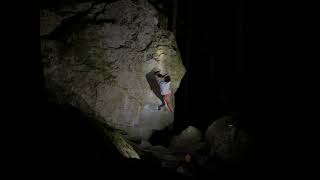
<point x="80" y="149"/>
<point x="161" y="137"/>
<point x="154" y="86"/>
<point x="181" y="120"/>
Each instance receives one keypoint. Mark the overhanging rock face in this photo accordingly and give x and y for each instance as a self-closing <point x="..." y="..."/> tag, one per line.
<point x="98" y="59"/>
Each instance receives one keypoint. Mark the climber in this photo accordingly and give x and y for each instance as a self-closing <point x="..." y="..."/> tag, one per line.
<point x="164" y="85"/>
<point x="166" y="92"/>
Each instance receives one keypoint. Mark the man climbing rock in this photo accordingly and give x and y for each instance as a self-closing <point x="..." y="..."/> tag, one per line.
<point x="164" y="83"/>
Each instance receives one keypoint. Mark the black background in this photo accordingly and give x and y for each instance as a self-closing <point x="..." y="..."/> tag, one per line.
<point x="212" y="38"/>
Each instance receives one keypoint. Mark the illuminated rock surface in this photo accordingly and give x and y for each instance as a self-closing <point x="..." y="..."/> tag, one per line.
<point x="97" y="58"/>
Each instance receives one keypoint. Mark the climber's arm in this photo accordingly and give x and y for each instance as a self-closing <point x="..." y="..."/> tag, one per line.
<point x="160" y="75"/>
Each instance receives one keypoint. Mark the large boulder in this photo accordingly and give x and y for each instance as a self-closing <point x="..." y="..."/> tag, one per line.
<point x="225" y="140"/>
<point x="100" y="61"/>
<point x="190" y="140"/>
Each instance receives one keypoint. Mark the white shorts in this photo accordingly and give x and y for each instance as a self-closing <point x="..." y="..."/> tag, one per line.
<point x="166" y="92"/>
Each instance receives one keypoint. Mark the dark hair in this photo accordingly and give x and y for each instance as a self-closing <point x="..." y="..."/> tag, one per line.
<point x="167" y="79"/>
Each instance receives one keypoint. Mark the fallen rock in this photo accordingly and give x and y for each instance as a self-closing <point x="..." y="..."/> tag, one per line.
<point x="188" y="141"/>
<point x="225" y="140"/>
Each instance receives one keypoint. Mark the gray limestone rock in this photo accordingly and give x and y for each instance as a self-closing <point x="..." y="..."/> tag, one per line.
<point x="106" y="64"/>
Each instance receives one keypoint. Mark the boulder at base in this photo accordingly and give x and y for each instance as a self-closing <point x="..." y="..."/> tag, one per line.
<point x="225" y="140"/>
<point x="188" y="141"/>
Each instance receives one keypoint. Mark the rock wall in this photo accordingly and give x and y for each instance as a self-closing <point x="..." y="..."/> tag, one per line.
<point x="97" y="57"/>
<point x="189" y="140"/>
